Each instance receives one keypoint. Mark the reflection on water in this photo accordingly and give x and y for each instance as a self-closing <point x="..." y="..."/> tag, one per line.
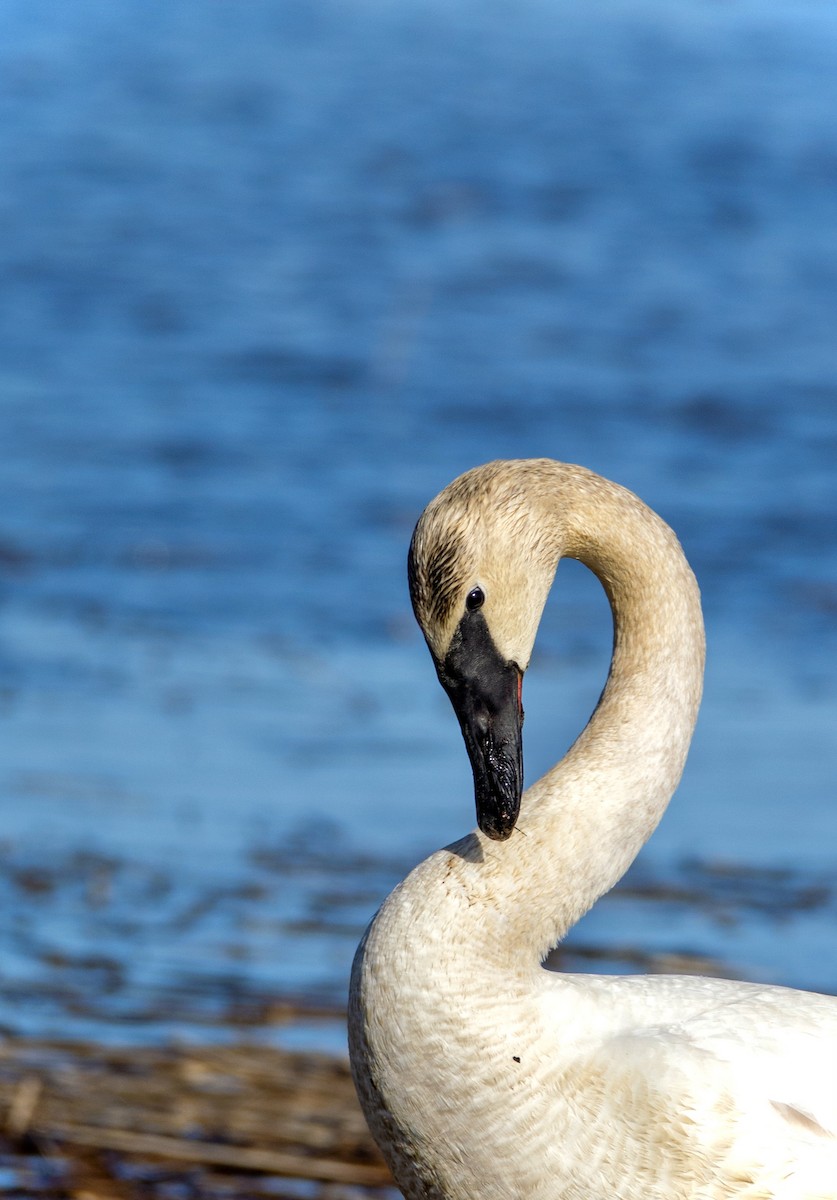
<point x="273" y="274"/>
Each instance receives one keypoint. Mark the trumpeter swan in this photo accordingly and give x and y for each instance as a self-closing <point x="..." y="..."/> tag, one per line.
<point x="483" y="1076"/>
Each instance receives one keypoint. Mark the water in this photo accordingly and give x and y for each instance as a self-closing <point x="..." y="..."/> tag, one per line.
<point x="273" y="274"/>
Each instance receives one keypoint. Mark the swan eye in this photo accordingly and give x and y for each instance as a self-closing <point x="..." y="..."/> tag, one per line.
<point x="475" y="599"/>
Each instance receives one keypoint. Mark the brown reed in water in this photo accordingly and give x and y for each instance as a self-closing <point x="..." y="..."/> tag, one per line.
<point x="84" y="1121"/>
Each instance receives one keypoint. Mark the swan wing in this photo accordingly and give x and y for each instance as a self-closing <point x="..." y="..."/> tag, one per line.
<point x="741" y="1092"/>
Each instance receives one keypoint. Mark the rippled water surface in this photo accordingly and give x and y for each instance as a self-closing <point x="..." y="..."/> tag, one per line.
<point x="273" y="273"/>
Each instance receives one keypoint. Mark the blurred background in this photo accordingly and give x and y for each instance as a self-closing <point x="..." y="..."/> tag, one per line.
<point x="273" y="273"/>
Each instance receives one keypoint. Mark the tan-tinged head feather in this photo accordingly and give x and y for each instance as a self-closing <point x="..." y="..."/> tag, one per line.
<point x="483" y="531"/>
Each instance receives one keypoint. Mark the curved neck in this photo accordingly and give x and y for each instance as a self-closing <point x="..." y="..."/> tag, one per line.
<point x="585" y="821"/>
<point x="446" y="971"/>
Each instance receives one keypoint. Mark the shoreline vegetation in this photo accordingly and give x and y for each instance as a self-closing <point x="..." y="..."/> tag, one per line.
<point x="85" y="1121"/>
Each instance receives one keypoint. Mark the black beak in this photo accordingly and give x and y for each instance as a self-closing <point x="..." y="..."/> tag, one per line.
<point x="485" y="691"/>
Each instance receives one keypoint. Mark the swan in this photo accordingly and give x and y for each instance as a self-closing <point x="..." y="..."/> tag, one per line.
<point x="483" y="1076"/>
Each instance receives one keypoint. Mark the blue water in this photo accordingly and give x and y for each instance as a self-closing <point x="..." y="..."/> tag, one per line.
<point x="272" y="274"/>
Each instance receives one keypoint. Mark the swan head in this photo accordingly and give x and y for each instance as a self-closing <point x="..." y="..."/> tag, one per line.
<point x="480" y="567"/>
